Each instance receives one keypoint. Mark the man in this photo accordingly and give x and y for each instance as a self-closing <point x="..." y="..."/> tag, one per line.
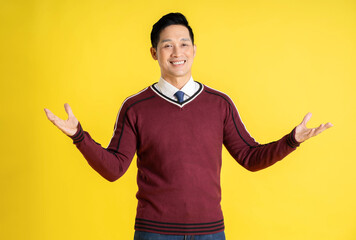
<point x="177" y="127"/>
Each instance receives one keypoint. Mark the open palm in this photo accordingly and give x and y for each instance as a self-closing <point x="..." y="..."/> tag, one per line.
<point x="68" y="126"/>
<point x="303" y="133"/>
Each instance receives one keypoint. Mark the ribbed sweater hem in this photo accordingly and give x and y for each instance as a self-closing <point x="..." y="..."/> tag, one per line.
<point x="179" y="228"/>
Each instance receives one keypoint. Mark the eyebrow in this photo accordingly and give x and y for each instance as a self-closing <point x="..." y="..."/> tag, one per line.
<point x="169" y="40"/>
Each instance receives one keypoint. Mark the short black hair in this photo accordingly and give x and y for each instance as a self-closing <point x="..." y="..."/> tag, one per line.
<point x="167" y="20"/>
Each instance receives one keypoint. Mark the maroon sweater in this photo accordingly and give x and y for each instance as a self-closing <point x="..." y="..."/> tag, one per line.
<point x="179" y="157"/>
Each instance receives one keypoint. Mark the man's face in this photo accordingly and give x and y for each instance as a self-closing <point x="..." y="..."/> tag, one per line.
<point x="175" y="52"/>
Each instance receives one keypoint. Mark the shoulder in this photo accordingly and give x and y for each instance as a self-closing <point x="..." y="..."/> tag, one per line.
<point x="134" y="100"/>
<point x="140" y="96"/>
<point x="217" y="94"/>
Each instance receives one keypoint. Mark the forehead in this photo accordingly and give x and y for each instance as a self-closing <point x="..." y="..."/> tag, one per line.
<point x="174" y="32"/>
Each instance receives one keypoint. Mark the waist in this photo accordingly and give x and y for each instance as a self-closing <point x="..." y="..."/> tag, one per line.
<point x="179" y="228"/>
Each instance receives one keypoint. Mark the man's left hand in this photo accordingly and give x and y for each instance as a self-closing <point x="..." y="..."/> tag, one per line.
<point x="303" y="133"/>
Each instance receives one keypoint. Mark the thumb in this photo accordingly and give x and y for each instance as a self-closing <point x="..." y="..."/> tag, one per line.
<point x="306" y="118"/>
<point x="68" y="110"/>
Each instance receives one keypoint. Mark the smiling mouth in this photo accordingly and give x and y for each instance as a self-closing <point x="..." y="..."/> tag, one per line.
<point x="178" y="62"/>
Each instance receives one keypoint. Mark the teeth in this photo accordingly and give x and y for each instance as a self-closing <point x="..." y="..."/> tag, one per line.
<point x="177" y="63"/>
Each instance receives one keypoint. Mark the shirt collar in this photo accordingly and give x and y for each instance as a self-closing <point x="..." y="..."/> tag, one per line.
<point x="189" y="88"/>
<point x="169" y="90"/>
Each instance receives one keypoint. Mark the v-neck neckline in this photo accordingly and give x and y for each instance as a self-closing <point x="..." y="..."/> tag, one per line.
<point x="182" y="104"/>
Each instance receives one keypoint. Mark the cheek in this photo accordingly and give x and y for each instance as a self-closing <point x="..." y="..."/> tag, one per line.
<point x="190" y="53"/>
<point x="164" y="51"/>
<point x="163" y="56"/>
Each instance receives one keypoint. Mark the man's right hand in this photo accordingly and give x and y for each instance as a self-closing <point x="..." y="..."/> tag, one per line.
<point x="69" y="126"/>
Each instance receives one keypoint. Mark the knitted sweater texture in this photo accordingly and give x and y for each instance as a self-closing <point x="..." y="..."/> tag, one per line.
<point x="178" y="149"/>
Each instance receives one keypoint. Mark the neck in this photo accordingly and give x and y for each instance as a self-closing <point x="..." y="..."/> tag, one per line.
<point x="178" y="82"/>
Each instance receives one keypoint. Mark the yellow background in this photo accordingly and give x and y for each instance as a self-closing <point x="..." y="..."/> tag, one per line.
<point x="276" y="59"/>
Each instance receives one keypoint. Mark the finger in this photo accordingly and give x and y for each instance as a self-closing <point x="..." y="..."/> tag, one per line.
<point x="68" y="110"/>
<point x="306" y="118"/>
<point x="322" y="128"/>
<point x="53" y="118"/>
<point x="50" y="115"/>
<point x="311" y="133"/>
<point x="319" y="129"/>
<point x="329" y="124"/>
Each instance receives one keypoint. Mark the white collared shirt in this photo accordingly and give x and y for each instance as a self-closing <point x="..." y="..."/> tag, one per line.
<point x="169" y="90"/>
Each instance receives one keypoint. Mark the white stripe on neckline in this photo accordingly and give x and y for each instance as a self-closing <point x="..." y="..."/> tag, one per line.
<point x="175" y="102"/>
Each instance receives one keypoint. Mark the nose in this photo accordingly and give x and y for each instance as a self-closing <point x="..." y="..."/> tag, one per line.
<point x="176" y="51"/>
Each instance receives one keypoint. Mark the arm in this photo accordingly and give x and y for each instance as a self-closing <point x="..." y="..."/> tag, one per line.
<point x="254" y="156"/>
<point x="111" y="162"/>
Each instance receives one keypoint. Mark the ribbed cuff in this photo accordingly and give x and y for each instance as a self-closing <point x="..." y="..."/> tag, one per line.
<point x="79" y="135"/>
<point x="291" y="140"/>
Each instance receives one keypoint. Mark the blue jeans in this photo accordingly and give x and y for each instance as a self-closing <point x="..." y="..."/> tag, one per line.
<point x="155" y="236"/>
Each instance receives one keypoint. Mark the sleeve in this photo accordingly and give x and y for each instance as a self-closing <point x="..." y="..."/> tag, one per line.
<point x="113" y="161"/>
<point x="249" y="153"/>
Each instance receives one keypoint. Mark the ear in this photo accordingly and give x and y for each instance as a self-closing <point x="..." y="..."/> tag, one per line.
<point x="153" y="53"/>
<point x="194" y="50"/>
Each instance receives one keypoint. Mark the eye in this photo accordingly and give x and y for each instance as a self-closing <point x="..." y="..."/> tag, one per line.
<point x="167" y="46"/>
